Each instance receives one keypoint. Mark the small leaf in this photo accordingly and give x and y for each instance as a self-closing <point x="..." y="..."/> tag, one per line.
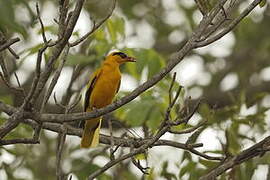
<point x="192" y="139"/>
<point x="165" y="173"/>
<point x="208" y="164"/>
<point x="111" y="30"/>
<point x="188" y="168"/>
<point x="262" y="3"/>
<point x="140" y="156"/>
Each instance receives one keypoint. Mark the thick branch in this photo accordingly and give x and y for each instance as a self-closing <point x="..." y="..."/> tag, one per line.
<point x="256" y="150"/>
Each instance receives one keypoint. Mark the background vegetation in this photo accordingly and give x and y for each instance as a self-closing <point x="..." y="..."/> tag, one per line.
<point x="232" y="75"/>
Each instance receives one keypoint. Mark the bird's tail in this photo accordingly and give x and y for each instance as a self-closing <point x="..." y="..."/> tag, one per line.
<point x="90" y="136"/>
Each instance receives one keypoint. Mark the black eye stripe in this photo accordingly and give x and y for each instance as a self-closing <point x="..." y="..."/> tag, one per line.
<point x="122" y="55"/>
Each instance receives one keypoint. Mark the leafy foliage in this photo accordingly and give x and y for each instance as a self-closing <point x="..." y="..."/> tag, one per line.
<point x="240" y="111"/>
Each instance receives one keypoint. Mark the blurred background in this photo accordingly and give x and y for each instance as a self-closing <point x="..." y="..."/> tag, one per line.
<point x="232" y="75"/>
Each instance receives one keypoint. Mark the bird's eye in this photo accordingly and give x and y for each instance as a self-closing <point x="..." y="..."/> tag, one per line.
<point x="122" y="55"/>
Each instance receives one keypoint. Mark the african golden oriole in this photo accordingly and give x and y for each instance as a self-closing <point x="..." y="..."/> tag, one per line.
<point x="101" y="89"/>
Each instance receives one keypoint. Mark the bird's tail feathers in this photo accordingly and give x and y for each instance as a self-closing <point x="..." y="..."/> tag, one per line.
<point x="90" y="136"/>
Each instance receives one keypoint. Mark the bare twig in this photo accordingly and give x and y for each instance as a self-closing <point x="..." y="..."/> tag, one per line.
<point x="257" y="149"/>
<point x="60" y="147"/>
<point x="3" y="65"/>
<point x="18" y="82"/>
<point x="7" y="108"/>
<point x="57" y="49"/>
<point x="95" y="26"/>
<point x="12" y="123"/>
<point x="37" y="77"/>
<point x="139" y="166"/>
<point x="41" y="24"/>
<point x="18" y="141"/>
<point x="111" y="139"/>
<point x="230" y="26"/>
<point x="8" y="43"/>
<point x="9" y="85"/>
<point x="13" y="53"/>
<point x="171" y="86"/>
<point x="119" y="142"/>
<point x="189" y="130"/>
<point x="55" y="79"/>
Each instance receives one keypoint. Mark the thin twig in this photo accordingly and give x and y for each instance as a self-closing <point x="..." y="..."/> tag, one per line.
<point x="189" y="130"/>
<point x="13" y="53"/>
<point x="18" y="141"/>
<point x="111" y="139"/>
<point x="9" y="85"/>
<point x="59" y="155"/>
<point x="230" y="26"/>
<point x="253" y="151"/>
<point x="41" y="24"/>
<point x="37" y="76"/>
<point x="57" y="49"/>
<point x="8" y="43"/>
<point x="18" y="82"/>
<point x="55" y="79"/>
<point x="95" y="26"/>
<point x="139" y="166"/>
<point x="171" y="86"/>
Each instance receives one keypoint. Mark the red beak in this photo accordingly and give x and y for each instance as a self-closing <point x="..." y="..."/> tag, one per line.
<point x="130" y="59"/>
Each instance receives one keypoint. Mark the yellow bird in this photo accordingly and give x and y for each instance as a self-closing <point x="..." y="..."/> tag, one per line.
<point x="101" y="89"/>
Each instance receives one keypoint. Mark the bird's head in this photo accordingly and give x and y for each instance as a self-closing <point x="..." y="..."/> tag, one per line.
<point x="120" y="57"/>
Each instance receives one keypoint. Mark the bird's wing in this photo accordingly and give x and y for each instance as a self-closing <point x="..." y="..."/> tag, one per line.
<point x="90" y="87"/>
<point x="118" y="86"/>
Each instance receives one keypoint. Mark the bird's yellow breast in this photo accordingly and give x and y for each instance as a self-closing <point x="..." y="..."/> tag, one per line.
<point x="105" y="87"/>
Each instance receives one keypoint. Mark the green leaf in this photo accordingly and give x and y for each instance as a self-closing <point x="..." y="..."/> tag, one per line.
<point x="7" y="99"/>
<point x="34" y="49"/>
<point x="154" y="119"/>
<point x="116" y="28"/>
<point x="233" y="144"/>
<point x="151" y="175"/>
<point x="51" y="29"/>
<point x="206" y="113"/>
<point x="146" y="58"/>
<point x="208" y="164"/>
<point x="165" y="173"/>
<point x="188" y="168"/>
<point x="102" y="47"/>
<point x="255" y="98"/>
<point x="140" y="156"/>
<point x="155" y="62"/>
<point x="81" y="59"/>
<point x="138" y="112"/>
<point x="192" y="139"/>
<point x="85" y="168"/>
<point x="7" y="18"/>
<point x="111" y="29"/>
<point x="262" y="3"/>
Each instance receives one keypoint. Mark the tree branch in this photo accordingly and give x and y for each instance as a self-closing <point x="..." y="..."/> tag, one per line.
<point x="8" y="43"/>
<point x="230" y="26"/>
<point x="257" y="149"/>
<point x="174" y="60"/>
<point x="95" y="26"/>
